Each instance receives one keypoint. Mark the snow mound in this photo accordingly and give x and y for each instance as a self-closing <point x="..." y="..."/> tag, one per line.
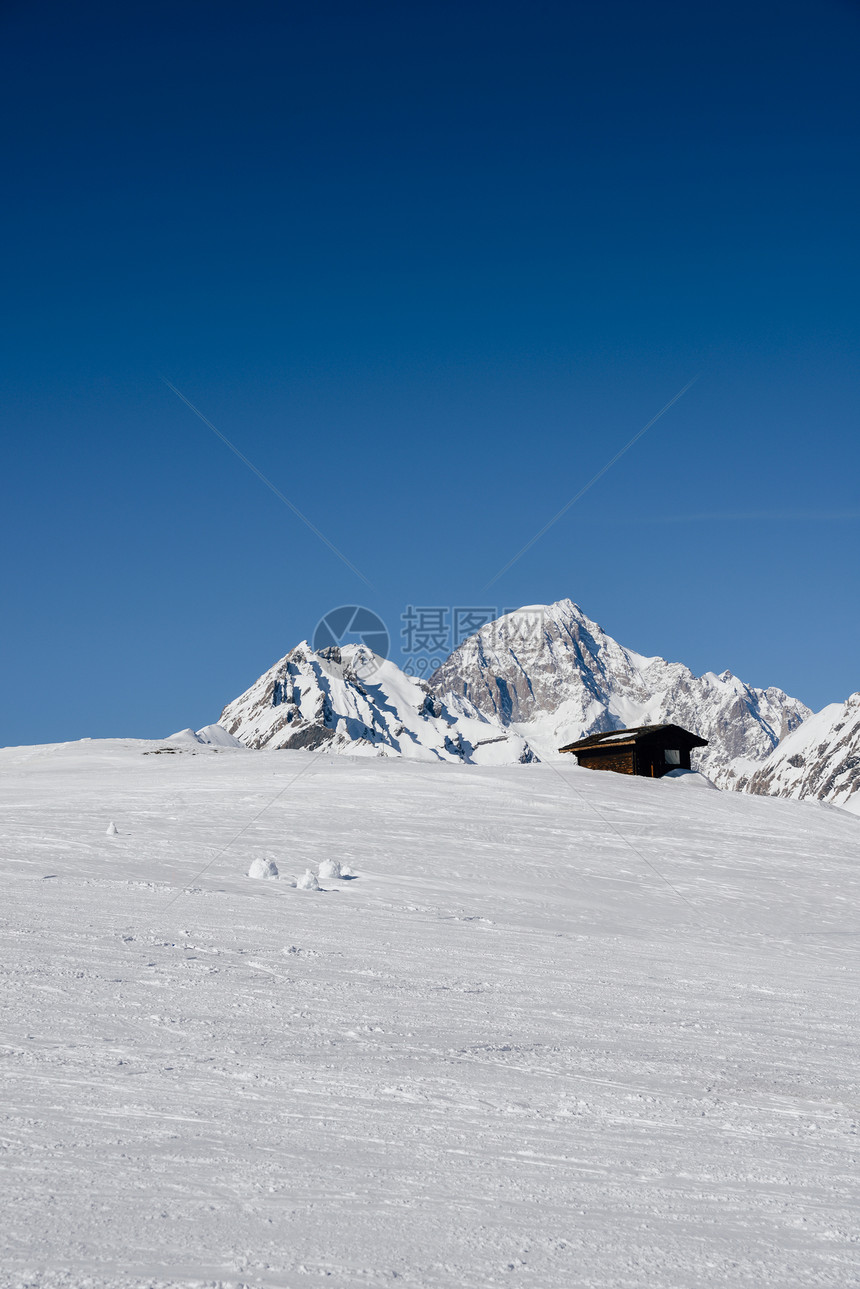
<point x="263" y="868"/>
<point x="692" y="778"/>
<point x="208" y="736"/>
<point x="217" y="736"/>
<point x="111" y="830"/>
<point x="330" y="868"/>
<point x="307" y="881"/>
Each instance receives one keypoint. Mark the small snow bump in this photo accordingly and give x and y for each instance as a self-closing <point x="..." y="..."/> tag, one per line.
<point x="263" y="868"/>
<point x="330" y="868"/>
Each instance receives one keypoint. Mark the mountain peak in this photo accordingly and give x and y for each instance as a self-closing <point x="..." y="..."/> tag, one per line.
<point x="554" y="675"/>
<point x="347" y="699"/>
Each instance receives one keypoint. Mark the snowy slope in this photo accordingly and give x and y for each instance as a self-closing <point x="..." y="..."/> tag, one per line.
<point x="563" y="1029"/>
<point x="820" y="760"/>
<point x="349" y="700"/>
<point x="553" y="675"/>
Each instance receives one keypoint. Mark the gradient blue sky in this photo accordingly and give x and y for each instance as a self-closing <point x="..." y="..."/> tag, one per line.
<point x="429" y="267"/>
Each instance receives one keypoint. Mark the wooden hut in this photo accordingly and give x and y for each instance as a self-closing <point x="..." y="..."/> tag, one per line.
<point x="647" y="750"/>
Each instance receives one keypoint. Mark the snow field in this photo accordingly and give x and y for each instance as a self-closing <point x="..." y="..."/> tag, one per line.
<point x="593" y="1032"/>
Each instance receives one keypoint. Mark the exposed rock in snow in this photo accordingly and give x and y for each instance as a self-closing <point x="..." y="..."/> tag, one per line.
<point x="554" y="676"/>
<point x="821" y="759"/>
<point x="349" y="700"/>
<point x="263" y="868"/>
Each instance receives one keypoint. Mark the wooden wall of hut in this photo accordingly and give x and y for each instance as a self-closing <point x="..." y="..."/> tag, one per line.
<point x="620" y="760"/>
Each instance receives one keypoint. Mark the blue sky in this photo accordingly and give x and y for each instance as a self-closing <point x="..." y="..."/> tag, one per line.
<point x="429" y="268"/>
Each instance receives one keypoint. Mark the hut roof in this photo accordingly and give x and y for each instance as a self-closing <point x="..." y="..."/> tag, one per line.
<point x="637" y="734"/>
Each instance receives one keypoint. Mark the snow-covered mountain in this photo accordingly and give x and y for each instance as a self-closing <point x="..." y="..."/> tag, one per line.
<point x="519" y="689"/>
<point x="821" y="759"/>
<point x="551" y="674"/>
<point x="349" y="700"/>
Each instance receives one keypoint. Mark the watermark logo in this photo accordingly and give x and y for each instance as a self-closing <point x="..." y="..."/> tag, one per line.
<point x="353" y="624"/>
<point x="429" y="633"/>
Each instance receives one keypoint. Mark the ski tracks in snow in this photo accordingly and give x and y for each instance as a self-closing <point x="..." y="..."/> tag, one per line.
<point x="501" y="1056"/>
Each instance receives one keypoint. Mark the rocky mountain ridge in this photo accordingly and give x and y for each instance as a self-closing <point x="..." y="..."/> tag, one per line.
<point x="346" y="699"/>
<point x="820" y="760"/>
